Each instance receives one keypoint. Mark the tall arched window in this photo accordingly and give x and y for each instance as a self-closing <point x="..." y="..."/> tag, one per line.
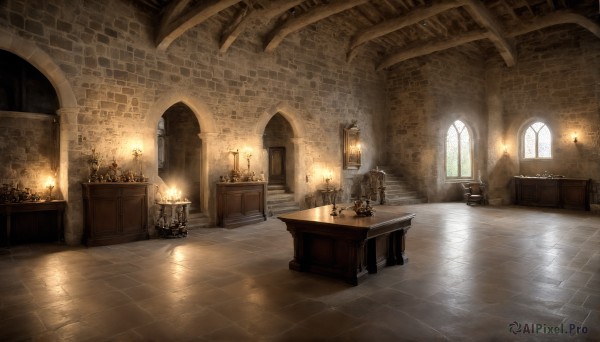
<point x="537" y="141"/>
<point x="459" y="159"/>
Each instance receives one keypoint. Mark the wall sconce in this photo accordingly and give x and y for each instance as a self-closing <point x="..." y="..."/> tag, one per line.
<point x="574" y="137"/>
<point x="248" y="155"/>
<point x="327" y="177"/>
<point x="137" y="156"/>
<point x="505" y="150"/>
<point x="49" y="185"/>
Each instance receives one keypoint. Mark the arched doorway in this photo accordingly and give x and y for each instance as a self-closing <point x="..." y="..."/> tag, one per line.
<point x="29" y="141"/>
<point x="281" y="165"/>
<point x="179" y="150"/>
<point x="280" y="150"/>
<point x="29" y="125"/>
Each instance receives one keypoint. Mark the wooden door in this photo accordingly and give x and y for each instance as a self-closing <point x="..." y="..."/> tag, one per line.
<point x="277" y="165"/>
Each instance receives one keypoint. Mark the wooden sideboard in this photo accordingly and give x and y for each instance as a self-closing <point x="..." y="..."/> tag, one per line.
<point x="115" y="213"/>
<point x="241" y="203"/>
<point x="568" y="193"/>
<point x="27" y="222"/>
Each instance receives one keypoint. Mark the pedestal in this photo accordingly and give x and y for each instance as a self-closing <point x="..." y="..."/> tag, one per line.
<point x="172" y="219"/>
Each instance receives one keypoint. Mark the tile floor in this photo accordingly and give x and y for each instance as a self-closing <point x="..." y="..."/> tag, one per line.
<point x="473" y="271"/>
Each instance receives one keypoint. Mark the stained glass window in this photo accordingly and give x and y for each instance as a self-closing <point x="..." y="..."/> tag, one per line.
<point x="459" y="161"/>
<point x="537" y="141"/>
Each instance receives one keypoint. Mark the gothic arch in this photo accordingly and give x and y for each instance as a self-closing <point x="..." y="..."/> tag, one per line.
<point x="67" y="111"/>
<point x="200" y="110"/>
<point x="287" y="112"/>
<point x="207" y="132"/>
<point x="37" y="57"/>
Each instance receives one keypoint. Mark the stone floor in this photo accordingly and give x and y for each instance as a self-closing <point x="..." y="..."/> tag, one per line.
<point x="475" y="273"/>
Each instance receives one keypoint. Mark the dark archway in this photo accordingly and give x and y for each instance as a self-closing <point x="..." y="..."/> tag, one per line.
<point x="180" y="151"/>
<point x="277" y="140"/>
<point x="29" y="131"/>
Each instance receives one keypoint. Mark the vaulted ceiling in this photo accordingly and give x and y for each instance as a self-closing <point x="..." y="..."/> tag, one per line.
<point x="396" y="30"/>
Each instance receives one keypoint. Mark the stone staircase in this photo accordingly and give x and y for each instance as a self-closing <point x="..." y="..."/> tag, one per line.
<point x="279" y="201"/>
<point x="197" y="219"/>
<point x="399" y="192"/>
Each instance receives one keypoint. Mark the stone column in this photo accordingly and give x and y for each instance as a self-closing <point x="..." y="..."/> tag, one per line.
<point x="208" y="187"/>
<point x="300" y="170"/>
<point x="497" y="171"/>
<point x="68" y="175"/>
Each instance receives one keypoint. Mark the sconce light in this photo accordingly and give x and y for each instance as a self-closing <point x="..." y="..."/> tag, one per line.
<point x="248" y="155"/>
<point x="574" y="136"/>
<point x="505" y="149"/>
<point x="137" y="156"/>
<point x="49" y="185"/>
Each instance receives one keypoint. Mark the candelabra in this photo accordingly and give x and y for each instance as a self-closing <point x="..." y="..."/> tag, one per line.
<point x="137" y="156"/>
<point x="49" y="186"/>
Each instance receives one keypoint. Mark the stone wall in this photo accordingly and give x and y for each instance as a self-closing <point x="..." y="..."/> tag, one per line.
<point x="28" y="150"/>
<point x="103" y="53"/>
<point x="556" y="80"/>
<point x="426" y="95"/>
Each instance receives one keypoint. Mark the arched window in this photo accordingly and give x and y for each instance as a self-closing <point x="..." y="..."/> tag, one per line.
<point x="537" y="141"/>
<point x="459" y="159"/>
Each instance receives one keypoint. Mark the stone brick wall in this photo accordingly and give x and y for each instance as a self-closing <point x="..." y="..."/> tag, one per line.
<point x="28" y="154"/>
<point x="555" y="80"/>
<point x="105" y="51"/>
<point x="426" y="95"/>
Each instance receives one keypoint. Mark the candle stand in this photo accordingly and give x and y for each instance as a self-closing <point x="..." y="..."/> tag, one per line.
<point x="172" y="219"/>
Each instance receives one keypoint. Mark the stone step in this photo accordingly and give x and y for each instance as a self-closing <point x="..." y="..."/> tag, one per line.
<point x="405" y="201"/>
<point x="284" y="209"/>
<point x="279" y="196"/>
<point x="400" y="192"/>
<point x="275" y="192"/>
<point x="197" y="220"/>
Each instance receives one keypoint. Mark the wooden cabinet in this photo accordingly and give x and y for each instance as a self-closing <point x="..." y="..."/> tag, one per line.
<point x="566" y="193"/>
<point x="27" y="222"/>
<point x="241" y="203"/>
<point x="115" y="213"/>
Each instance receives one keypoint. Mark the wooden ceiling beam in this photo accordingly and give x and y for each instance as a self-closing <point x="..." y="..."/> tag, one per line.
<point x="398" y="23"/>
<point x="245" y="17"/>
<point x="318" y="13"/>
<point x="497" y="35"/>
<point x="558" y="18"/>
<point x="430" y="48"/>
<point x="173" y="10"/>
<point x="172" y="29"/>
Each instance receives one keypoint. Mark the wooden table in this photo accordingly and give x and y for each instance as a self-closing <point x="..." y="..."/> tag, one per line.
<point x="346" y="246"/>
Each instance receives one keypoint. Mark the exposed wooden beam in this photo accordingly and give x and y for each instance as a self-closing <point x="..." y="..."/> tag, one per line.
<point x="497" y="35"/>
<point x="174" y="28"/>
<point x="244" y="18"/>
<point x="558" y="18"/>
<point x="398" y="23"/>
<point x="429" y="48"/>
<point x="310" y="17"/>
<point x="173" y="10"/>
